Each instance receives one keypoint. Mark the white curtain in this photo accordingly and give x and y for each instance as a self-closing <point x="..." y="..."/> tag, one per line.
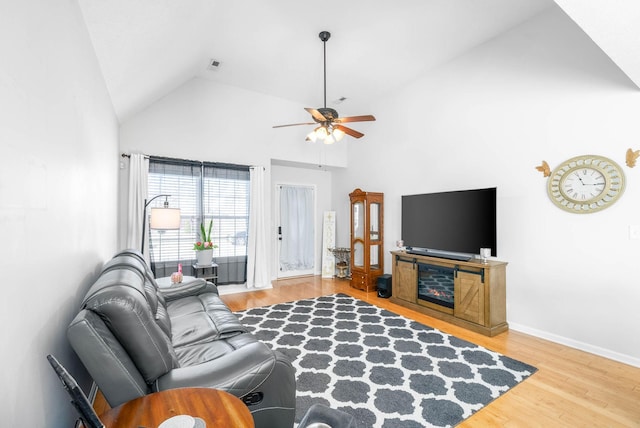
<point x="257" y="250"/>
<point x="296" y="221"/>
<point x="138" y="175"/>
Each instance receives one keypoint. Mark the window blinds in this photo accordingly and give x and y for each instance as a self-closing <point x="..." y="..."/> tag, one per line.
<point x="203" y="192"/>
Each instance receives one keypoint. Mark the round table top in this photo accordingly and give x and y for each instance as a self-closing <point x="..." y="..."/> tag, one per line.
<point x="216" y="408"/>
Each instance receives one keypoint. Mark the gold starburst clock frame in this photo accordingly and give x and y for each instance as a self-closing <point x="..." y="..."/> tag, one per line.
<point x="586" y="184"/>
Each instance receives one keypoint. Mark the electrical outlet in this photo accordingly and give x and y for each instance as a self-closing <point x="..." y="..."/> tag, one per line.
<point x="634" y="231"/>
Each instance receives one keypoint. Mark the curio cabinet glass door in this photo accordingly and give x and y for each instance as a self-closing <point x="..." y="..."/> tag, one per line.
<point x="367" y="212"/>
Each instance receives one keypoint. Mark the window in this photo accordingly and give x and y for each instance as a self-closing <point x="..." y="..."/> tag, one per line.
<point x="203" y="192"/>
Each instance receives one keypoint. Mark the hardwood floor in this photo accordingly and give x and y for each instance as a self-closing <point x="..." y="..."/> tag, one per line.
<point x="572" y="388"/>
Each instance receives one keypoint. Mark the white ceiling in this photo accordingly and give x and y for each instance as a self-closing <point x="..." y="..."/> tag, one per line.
<point x="148" y="48"/>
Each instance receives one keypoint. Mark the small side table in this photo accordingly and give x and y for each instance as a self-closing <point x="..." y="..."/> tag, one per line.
<point x="206" y="272"/>
<point x="342" y="257"/>
<point x="217" y="409"/>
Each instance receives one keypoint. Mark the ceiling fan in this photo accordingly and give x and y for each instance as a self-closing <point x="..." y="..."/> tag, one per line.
<point x="331" y="128"/>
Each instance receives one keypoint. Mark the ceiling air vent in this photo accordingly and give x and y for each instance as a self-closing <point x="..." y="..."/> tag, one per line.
<point x="214" y="64"/>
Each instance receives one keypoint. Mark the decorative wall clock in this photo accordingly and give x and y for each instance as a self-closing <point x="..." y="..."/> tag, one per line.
<point x="586" y="184"/>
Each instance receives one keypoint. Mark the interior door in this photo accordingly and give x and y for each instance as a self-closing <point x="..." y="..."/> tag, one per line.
<point x="295" y="230"/>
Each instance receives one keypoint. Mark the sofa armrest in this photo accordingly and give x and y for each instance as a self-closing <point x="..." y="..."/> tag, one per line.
<point x="252" y="372"/>
<point x="193" y="287"/>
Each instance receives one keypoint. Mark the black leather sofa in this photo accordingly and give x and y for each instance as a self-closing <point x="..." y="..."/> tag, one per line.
<point x="135" y="338"/>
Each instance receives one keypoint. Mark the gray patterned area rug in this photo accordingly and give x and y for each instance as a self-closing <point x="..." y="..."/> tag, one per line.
<point x="384" y="369"/>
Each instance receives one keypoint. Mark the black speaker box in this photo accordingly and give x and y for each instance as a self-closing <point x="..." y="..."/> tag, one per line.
<point x="383" y="284"/>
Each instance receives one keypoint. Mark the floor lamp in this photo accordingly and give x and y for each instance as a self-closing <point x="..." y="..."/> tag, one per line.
<point x="164" y="218"/>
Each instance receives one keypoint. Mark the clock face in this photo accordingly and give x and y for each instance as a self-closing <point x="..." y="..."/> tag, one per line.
<point x="586" y="184"/>
<point x="583" y="184"/>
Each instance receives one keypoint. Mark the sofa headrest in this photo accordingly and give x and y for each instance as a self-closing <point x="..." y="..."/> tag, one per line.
<point x="111" y="279"/>
<point x="133" y="253"/>
<point x="135" y="264"/>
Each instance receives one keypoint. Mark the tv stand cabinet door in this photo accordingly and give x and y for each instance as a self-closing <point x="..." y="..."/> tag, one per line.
<point x="405" y="280"/>
<point x="469" y="297"/>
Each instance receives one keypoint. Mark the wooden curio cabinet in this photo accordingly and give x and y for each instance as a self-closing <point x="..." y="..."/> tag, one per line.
<point x="367" y="215"/>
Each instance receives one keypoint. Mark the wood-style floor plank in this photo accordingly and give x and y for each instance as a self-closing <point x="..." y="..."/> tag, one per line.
<point x="572" y="388"/>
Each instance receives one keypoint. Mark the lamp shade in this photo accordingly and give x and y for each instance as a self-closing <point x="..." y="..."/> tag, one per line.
<point x="165" y="218"/>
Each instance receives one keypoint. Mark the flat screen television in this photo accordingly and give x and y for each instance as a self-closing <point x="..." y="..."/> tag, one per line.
<point x="453" y="224"/>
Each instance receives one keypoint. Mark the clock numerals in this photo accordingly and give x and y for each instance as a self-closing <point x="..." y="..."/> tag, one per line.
<point x="583" y="184"/>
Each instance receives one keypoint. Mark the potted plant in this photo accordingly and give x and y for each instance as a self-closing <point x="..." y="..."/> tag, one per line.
<point x="204" y="248"/>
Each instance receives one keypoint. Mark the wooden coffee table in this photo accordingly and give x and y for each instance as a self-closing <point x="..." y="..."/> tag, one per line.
<point x="217" y="409"/>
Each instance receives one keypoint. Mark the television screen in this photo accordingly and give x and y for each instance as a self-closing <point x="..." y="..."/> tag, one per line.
<point x="457" y="222"/>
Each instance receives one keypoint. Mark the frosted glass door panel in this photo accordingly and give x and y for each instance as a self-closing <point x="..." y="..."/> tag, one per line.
<point x="358" y="254"/>
<point x="374" y="256"/>
<point x="358" y="220"/>
<point x="374" y="228"/>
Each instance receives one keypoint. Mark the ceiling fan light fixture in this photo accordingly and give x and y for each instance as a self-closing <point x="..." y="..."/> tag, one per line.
<point x="312" y="136"/>
<point x="331" y="127"/>
<point x="321" y="132"/>
<point x="338" y="134"/>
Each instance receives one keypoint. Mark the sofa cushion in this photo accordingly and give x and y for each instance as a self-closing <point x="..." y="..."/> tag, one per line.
<point x="198" y="353"/>
<point x="119" y="298"/>
<point x="163" y="320"/>
<point x="245" y="367"/>
<point x="201" y="319"/>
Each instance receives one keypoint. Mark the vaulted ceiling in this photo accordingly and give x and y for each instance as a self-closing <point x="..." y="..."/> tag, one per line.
<point x="148" y="48"/>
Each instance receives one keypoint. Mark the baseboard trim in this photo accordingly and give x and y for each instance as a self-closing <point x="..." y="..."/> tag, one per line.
<point x="582" y="346"/>
<point x="239" y="288"/>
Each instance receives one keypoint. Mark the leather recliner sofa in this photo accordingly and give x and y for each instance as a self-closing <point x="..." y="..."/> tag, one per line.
<point x="136" y="338"/>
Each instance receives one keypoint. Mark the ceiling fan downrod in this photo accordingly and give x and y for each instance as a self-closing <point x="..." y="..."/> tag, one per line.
<point x="324" y="36"/>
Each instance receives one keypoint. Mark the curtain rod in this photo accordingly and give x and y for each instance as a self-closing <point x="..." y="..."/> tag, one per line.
<point x="128" y="155"/>
<point x="165" y="159"/>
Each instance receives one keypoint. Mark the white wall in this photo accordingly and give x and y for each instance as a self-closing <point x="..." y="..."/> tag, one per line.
<point x="58" y="145"/>
<point x="206" y="121"/>
<point x="203" y="120"/>
<point x="540" y="91"/>
<point x="320" y="179"/>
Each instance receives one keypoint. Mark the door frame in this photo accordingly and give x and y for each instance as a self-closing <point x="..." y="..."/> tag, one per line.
<point x="291" y="274"/>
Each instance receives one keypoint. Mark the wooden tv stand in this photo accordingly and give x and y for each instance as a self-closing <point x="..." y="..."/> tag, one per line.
<point x="479" y="291"/>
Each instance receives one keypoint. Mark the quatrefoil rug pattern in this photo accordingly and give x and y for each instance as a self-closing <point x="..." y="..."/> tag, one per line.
<point x="384" y="369"/>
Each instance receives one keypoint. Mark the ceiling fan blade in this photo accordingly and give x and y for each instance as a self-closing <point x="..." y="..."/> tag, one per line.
<point x="365" y="118"/>
<point x="295" y="124"/>
<point x="316" y="114"/>
<point x="349" y="131"/>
